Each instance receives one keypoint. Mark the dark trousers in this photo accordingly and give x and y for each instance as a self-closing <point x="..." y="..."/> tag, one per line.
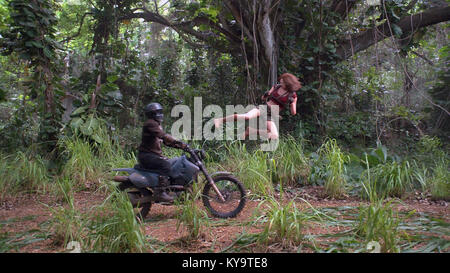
<point x="154" y="163"/>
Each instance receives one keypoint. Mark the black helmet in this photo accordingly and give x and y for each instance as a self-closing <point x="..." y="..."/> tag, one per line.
<point x="154" y="111"/>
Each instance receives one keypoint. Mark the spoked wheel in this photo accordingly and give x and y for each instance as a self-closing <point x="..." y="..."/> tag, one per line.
<point x="143" y="209"/>
<point x="233" y="192"/>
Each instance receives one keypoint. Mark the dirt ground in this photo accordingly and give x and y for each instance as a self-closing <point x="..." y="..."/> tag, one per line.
<point x="25" y="213"/>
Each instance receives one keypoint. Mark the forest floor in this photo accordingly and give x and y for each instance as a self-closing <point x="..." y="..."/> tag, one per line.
<point x="24" y="224"/>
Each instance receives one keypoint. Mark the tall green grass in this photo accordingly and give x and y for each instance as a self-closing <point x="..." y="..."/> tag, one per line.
<point x="114" y="227"/>
<point x="439" y="184"/>
<point x="82" y="164"/>
<point x="260" y="170"/>
<point x="190" y="215"/>
<point x="282" y="223"/>
<point x="67" y="223"/>
<point x="433" y="174"/>
<point x="335" y="159"/>
<point x="252" y="167"/>
<point x="90" y="163"/>
<point x="389" y="176"/>
<point x="109" y="227"/>
<point x="23" y="172"/>
<point x="378" y="222"/>
<point x="291" y="165"/>
<point x="391" y="179"/>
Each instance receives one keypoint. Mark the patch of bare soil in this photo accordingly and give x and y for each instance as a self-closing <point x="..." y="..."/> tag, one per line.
<point x="30" y="213"/>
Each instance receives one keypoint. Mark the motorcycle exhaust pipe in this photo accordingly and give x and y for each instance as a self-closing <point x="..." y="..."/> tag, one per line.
<point x="121" y="178"/>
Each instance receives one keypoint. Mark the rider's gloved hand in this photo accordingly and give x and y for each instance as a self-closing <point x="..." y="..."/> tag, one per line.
<point x="185" y="147"/>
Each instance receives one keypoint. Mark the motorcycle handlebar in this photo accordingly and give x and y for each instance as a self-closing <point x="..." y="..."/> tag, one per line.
<point x="196" y="153"/>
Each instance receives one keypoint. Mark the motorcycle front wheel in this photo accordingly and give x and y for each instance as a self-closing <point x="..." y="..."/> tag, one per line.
<point x="233" y="192"/>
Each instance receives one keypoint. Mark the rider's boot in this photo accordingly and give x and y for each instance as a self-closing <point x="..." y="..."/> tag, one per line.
<point x="160" y="193"/>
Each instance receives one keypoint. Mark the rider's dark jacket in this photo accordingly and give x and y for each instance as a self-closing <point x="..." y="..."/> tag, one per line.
<point x="153" y="135"/>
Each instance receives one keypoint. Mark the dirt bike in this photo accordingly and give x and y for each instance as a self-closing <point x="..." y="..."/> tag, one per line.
<point x="223" y="194"/>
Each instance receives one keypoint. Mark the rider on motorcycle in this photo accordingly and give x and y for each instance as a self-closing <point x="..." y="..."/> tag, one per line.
<point x="150" y="154"/>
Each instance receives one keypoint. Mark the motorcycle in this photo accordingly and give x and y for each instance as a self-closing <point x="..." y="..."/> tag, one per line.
<point x="223" y="194"/>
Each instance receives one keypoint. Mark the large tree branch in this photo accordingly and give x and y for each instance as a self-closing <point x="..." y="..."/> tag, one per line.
<point x="407" y="24"/>
<point x="235" y="10"/>
<point x="79" y="29"/>
<point x="208" y="37"/>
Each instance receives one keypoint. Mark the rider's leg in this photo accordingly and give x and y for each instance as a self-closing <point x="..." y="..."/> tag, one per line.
<point x="161" y="166"/>
<point x="255" y="112"/>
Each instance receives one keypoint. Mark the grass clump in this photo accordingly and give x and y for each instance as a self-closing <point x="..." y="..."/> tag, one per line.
<point x="108" y="227"/>
<point x="23" y="172"/>
<point x="282" y="223"/>
<point x="67" y="223"/>
<point x="433" y="174"/>
<point x="190" y="215"/>
<point x="440" y="182"/>
<point x="335" y="159"/>
<point x="82" y="165"/>
<point x="388" y="176"/>
<point x="291" y="164"/>
<point x="378" y="222"/>
<point x="114" y="227"/>
<point x="253" y="168"/>
<point x="392" y="179"/>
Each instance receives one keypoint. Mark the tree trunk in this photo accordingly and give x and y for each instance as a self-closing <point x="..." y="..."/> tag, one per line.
<point x="268" y="42"/>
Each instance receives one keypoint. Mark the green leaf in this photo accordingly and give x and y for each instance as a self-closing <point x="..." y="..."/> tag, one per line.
<point x="372" y="160"/>
<point x="112" y="78"/>
<point x="382" y="153"/>
<point x="48" y="53"/>
<point x="76" y="123"/>
<point x="90" y="125"/>
<point x="34" y="44"/>
<point x="79" y="110"/>
<point x="397" y="30"/>
<point x="97" y="138"/>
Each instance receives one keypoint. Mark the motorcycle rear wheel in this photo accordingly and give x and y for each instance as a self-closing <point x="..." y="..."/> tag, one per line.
<point x="143" y="209"/>
<point x="233" y="192"/>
